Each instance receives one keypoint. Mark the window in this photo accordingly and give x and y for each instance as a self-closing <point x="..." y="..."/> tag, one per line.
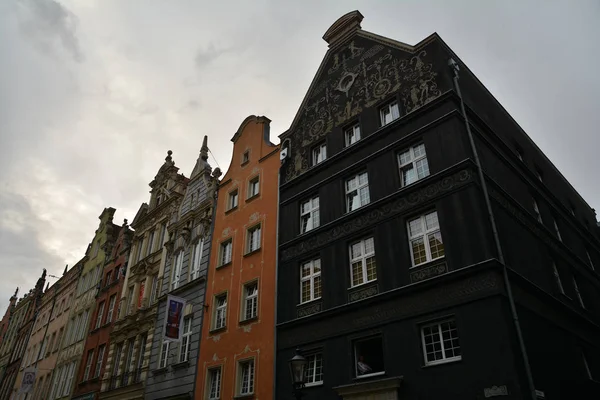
<point x="57" y="342"/>
<point x="164" y="354"/>
<point x="578" y="293"/>
<point x="310" y="281"/>
<point x="425" y="239"/>
<point x="100" y="314"/>
<point x="214" y="383"/>
<point x="184" y="349"/>
<point x="253" y="187"/>
<point x="389" y="113"/>
<point x="309" y="214"/>
<point x="250" y="309"/>
<point x="51" y="344"/>
<point x="253" y="239"/>
<point x="536" y="211"/>
<point x="246" y="157"/>
<point x="362" y="262"/>
<point x="232" y="202"/>
<point x="70" y="374"/>
<point x="99" y="361"/>
<point x="141" y="353"/>
<point x="590" y="260"/>
<point x="196" y="259"/>
<point x="225" y="252"/>
<point x="246" y="377"/>
<point x="357" y="191"/>
<point x="220" y="318"/>
<point x="177" y="264"/>
<point x="368" y="357"/>
<point x="413" y="165"/>
<point x="352" y="135"/>
<point x="557" y="230"/>
<point x="84" y="325"/>
<point x="107" y="280"/>
<point x="155" y="289"/>
<point x="440" y="342"/>
<point x="557" y="278"/>
<point x="314" y="369"/>
<point x="118" y="352"/>
<point x="111" y="308"/>
<point x="130" y="301"/>
<point x="88" y="365"/>
<point x="43" y="348"/>
<point x="129" y="355"/>
<point x="150" y="244"/>
<point x="319" y="153"/>
<point x="163" y="234"/>
<point x="95" y="251"/>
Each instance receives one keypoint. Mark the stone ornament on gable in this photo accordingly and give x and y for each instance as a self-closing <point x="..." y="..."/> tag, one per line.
<point x="254" y="217"/>
<point x="226" y="232"/>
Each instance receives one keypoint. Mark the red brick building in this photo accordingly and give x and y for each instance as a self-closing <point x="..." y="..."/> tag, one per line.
<point x="92" y="365"/>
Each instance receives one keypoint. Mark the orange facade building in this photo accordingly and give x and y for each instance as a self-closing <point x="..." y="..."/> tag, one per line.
<point x="238" y="331"/>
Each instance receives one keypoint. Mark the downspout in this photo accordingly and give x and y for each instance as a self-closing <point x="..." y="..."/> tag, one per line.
<point x="276" y="284"/>
<point x="455" y="68"/>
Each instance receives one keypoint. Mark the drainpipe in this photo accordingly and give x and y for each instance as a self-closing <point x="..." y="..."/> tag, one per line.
<point x="276" y="283"/>
<point x="455" y="68"/>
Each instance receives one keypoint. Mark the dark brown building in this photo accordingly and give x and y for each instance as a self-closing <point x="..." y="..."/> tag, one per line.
<point x="427" y="250"/>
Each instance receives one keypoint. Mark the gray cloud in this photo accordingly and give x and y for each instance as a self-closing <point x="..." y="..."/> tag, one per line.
<point x="204" y="56"/>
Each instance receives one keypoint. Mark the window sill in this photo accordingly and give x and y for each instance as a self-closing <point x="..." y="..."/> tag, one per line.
<point x="181" y="364"/>
<point x="427" y="263"/>
<point x="244" y="396"/>
<point x="244" y="163"/>
<point x="444" y="362"/>
<point x="360" y="285"/>
<point x="160" y="371"/>
<point x="217" y="330"/>
<point x="252" y="252"/>
<point x="366" y="376"/>
<point x="224" y="265"/>
<point x="249" y="199"/>
<point x="315" y="384"/>
<point x="306" y="303"/>
<point x="232" y="209"/>
<point x="248" y="320"/>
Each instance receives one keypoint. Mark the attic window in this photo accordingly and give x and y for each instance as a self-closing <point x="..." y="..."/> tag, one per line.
<point x="246" y="157"/>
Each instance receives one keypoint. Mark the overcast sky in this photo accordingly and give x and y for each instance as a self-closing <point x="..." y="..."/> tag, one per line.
<point x="94" y="92"/>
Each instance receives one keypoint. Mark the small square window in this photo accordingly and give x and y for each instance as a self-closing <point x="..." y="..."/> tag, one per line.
<point x="440" y="342"/>
<point x="319" y="153"/>
<point x="352" y="135"/>
<point x="368" y="357"/>
<point x="220" y="311"/>
<point x="357" y="191"/>
<point x="250" y="306"/>
<point x="390" y="112"/>
<point x="246" y="157"/>
<point x="214" y="383"/>
<point x="246" y="377"/>
<point x="314" y="369"/>
<point x="253" y="187"/>
<point x="253" y="239"/>
<point x="225" y="251"/>
<point x="232" y="202"/>
<point x="309" y="214"/>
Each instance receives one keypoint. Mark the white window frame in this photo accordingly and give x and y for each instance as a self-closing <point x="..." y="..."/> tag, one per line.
<point x="100" y="315"/>
<point x="445" y="359"/>
<point x="111" y="308"/>
<point x="186" y="339"/>
<point x="233" y="199"/>
<point x="99" y="360"/>
<point x="309" y="212"/>
<point x="142" y="351"/>
<point x="590" y="260"/>
<point x="354" y="190"/>
<point x="253" y="187"/>
<point x="214" y="383"/>
<point x="389" y="112"/>
<point x="416" y="155"/>
<point x="352" y="134"/>
<point x="246" y="368"/>
<point x="253" y="238"/>
<point x="197" y="253"/>
<point x="118" y="354"/>
<point x="557" y="230"/>
<point x="424" y="235"/>
<point x="220" y="313"/>
<point x="536" y="211"/>
<point x="578" y="292"/>
<point x="163" y="360"/>
<point x="88" y="365"/>
<point x="69" y="380"/>
<point x="311" y="365"/>
<point x="225" y="252"/>
<point x="319" y="153"/>
<point x="176" y="273"/>
<point x="557" y="278"/>
<point x="150" y="243"/>
<point x="310" y="278"/>
<point x="250" y="301"/>
<point x="362" y="258"/>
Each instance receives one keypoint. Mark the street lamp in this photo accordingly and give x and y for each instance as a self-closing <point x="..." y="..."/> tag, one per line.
<point x="298" y="371"/>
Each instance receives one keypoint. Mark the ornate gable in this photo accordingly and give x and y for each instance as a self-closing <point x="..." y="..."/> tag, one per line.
<point x="360" y="70"/>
